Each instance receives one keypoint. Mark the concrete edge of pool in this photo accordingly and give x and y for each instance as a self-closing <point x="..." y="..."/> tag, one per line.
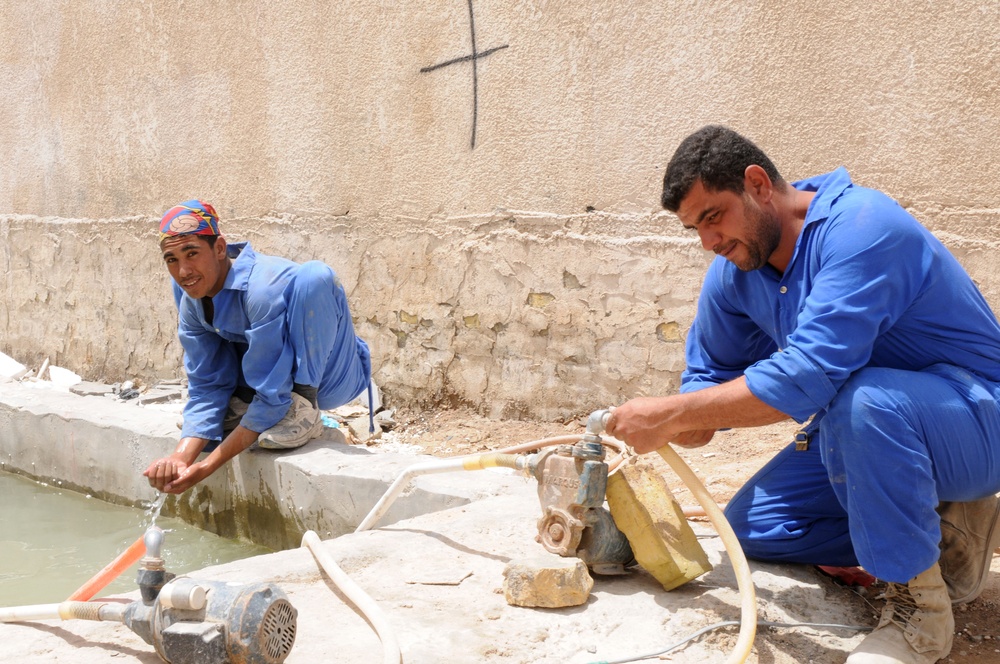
<point x="100" y="446"/>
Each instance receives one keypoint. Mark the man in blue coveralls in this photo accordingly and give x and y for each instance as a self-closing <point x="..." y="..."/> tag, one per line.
<point x="267" y="343"/>
<point x="828" y="300"/>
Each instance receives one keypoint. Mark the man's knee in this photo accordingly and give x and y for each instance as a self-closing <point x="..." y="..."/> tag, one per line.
<point x="314" y="279"/>
<point x="863" y="402"/>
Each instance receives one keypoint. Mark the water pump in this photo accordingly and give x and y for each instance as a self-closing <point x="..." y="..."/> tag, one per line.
<point x="572" y="482"/>
<point x="189" y="621"/>
<point x="208" y="622"/>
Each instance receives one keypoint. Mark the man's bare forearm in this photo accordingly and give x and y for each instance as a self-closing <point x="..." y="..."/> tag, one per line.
<point x="648" y="423"/>
<point x="729" y="405"/>
<point x="240" y="439"/>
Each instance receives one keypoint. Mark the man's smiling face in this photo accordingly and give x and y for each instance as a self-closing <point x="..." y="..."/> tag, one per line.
<point x="196" y="266"/>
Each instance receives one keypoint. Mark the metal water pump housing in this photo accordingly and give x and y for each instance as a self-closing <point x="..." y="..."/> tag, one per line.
<point x="572" y="480"/>
<point x="212" y="622"/>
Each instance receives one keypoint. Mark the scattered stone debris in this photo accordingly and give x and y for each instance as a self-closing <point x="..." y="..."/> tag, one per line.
<point x="88" y="388"/>
<point x="351" y="419"/>
<point x="11" y="369"/>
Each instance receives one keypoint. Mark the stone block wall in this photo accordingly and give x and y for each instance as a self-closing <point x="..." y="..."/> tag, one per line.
<point x="483" y="175"/>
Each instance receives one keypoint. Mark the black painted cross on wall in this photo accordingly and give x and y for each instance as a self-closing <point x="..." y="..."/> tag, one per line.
<point x="474" y="58"/>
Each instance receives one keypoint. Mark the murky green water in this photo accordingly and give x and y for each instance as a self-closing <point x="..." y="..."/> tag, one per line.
<point x="52" y="541"/>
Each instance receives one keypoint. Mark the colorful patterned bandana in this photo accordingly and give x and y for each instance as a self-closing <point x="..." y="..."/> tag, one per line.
<point x="192" y="217"/>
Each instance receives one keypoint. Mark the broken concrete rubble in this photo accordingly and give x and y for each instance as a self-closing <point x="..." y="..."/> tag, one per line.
<point x="173" y="392"/>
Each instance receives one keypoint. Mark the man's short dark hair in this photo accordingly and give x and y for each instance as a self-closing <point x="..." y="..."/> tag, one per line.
<point x="717" y="156"/>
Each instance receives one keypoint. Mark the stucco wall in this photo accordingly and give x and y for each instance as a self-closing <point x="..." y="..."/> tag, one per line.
<point x="528" y="274"/>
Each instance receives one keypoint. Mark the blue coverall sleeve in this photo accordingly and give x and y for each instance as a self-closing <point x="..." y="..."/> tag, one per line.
<point x="268" y="363"/>
<point x="212" y="369"/>
<point x="870" y="266"/>
<point x="723" y="341"/>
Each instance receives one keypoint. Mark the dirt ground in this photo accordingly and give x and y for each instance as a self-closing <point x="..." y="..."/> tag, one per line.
<point x="722" y="465"/>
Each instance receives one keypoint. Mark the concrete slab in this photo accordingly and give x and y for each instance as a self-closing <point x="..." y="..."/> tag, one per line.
<point x="434" y="565"/>
<point x="410" y="569"/>
<point x="160" y="395"/>
<point x="91" y="389"/>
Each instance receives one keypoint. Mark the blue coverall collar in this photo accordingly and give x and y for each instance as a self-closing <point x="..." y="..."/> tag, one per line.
<point x="828" y="188"/>
<point x="243" y="257"/>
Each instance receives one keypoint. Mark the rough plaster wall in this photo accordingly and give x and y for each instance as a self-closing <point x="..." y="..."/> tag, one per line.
<point x="82" y="294"/>
<point x="476" y="273"/>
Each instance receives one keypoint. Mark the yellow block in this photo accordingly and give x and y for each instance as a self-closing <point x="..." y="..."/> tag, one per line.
<point x="644" y="508"/>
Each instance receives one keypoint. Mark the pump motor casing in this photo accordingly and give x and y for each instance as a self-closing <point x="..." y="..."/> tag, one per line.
<point x="212" y="622"/>
<point x="571" y="485"/>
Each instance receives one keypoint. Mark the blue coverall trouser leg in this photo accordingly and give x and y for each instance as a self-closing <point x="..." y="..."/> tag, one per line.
<point x="890" y="447"/>
<point x="328" y="355"/>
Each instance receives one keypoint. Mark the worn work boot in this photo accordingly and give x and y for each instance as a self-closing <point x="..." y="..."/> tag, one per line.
<point x="300" y="424"/>
<point x="917" y="625"/>
<point x="970" y="532"/>
<point x="234" y="413"/>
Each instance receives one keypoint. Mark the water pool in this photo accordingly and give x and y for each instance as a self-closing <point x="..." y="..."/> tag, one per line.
<point x="53" y="540"/>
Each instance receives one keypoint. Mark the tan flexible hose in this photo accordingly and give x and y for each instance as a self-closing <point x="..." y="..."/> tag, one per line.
<point x="571" y="439"/>
<point x="748" y="597"/>
<point x="474" y="462"/>
<point x="366" y="605"/>
<point x="69" y="610"/>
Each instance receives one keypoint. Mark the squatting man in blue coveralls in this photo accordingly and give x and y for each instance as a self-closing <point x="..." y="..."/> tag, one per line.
<point x="267" y="343"/>
<point x="828" y="300"/>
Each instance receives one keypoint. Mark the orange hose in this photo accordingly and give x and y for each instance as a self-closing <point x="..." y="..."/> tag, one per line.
<point x="110" y="572"/>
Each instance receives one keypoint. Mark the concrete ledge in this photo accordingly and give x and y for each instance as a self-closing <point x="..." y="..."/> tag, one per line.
<point x="438" y="580"/>
<point x="100" y="446"/>
<point x="437" y="575"/>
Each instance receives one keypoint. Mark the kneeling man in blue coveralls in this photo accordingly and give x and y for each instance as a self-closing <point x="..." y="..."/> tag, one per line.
<point x="827" y="300"/>
<point x="267" y="344"/>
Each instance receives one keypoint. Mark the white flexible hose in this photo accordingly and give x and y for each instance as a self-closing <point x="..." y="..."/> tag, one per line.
<point x="503" y="457"/>
<point x="30" y="613"/>
<point x="748" y="597"/>
<point x="366" y="605"/>
<point x="475" y="462"/>
<point x="69" y="610"/>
